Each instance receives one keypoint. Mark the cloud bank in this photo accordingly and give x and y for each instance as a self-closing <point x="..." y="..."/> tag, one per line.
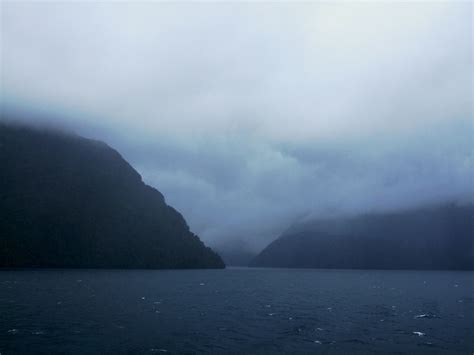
<point x="249" y="116"/>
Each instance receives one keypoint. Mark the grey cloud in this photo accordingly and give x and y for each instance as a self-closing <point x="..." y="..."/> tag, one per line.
<point x="248" y="116"/>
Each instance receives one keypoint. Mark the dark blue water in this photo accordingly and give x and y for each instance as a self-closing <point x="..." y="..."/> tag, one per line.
<point x="236" y="311"/>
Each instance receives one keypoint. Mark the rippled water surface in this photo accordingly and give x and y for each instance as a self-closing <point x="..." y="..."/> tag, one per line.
<point x="236" y="311"/>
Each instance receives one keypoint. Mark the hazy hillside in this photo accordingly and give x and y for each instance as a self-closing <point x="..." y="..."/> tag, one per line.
<point x="424" y="238"/>
<point x="67" y="201"/>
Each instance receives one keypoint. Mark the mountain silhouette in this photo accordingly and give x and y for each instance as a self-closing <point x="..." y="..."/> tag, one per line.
<point x="68" y="201"/>
<point x="430" y="237"/>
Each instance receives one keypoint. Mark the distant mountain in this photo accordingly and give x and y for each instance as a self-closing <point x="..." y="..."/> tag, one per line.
<point x="67" y="201"/>
<point x="235" y="257"/>
<point x="439" y="237"/>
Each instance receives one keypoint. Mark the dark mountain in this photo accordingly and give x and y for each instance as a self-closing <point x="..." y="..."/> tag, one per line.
<point x="425" y="238"/>
<point x="67" y="201"/>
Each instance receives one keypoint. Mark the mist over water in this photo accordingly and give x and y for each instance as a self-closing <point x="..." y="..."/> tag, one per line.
<point x="250" y="117"/>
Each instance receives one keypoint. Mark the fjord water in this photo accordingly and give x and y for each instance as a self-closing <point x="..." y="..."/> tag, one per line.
<point x="239" y="310"/>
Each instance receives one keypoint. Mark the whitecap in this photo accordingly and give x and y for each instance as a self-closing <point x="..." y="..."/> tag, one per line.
<point x="421" y="316"/>
<point x="424" y="315"/>
<point x="420" y="334"/>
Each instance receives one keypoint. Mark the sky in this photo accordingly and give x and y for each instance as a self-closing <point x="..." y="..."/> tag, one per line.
<point x="251" y="116"/>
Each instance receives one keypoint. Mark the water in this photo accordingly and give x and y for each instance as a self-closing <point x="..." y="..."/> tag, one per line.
<point x="236" y="311"/>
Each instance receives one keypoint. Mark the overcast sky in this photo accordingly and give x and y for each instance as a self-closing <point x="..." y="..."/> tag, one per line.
<point x="250" y="116"/>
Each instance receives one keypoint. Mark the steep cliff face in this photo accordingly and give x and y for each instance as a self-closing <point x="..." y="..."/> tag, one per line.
<point x="67" y="201"/>
<point x="425" y="238"/>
